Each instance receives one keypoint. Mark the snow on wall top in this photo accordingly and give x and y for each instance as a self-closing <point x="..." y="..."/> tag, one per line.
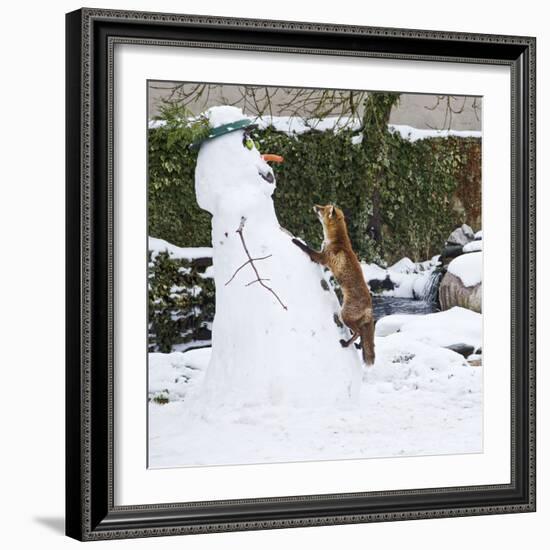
<point x="414" y="134"/>
<point x="292" y="125"/>
<point x="467" y="267"/>
<point x="156" y="246"/>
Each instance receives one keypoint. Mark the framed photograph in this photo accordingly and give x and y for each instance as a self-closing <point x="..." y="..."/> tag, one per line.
<point x="300" y="274"/>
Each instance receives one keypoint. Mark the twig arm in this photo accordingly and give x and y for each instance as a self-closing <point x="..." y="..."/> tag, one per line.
<point x="250" y="262"/>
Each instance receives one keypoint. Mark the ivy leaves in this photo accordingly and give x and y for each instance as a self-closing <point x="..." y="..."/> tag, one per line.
<point x="416" y="183"/>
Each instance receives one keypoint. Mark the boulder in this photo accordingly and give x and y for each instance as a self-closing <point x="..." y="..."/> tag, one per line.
<point x="451" y="251"/>
<point x="464" y="349"/>
<point x="461" y="235"/>
<point x="453" y="292"/>
<point x="468" y="232"/>
<point x="378" y="285"/>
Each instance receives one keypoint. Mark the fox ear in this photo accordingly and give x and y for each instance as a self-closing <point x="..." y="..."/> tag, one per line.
<point x="330" y="211"/>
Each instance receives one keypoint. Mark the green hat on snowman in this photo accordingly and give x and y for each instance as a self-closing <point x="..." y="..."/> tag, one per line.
<point x="220" y="121"/>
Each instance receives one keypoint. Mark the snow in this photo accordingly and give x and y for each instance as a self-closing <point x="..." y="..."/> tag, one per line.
<point x="404" y="265"/>
<point x="445" y="328"/>
<point x="156" y="246"/>
<point x="223" y="114"/>
<point x="208" y="273"/>
<point x="277" y="386"/>
<point x="297" y="125"/>
<point x="262" y="352"/>
<point x="414" y="134"/>
<point x="479" y="235"/>
<point x="467" y="268"/>
<point x="417" y="400"/>
<point x="474" y="246"/>
<point x="294" y="125"/>
<point x="404" y="284"/>
<point x="373" y="272"/>
<point x="410" y="278"/>
<point x="171" y="375"/>
<point x="420" y="284"/>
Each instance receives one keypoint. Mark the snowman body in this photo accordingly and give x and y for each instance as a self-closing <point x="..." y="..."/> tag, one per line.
<point x="262" y="353"/>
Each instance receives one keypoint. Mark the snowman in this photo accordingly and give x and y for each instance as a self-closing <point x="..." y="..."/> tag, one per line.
<point x="275" y="341"/>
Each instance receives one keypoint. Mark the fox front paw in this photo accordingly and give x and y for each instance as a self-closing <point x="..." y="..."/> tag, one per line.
<point x="304" y="247"/>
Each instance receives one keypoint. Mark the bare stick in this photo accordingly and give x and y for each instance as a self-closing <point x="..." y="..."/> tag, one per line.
<point x="256" y="281"/>
<point x="245" y="264"/>
<point x="250" y="262"/>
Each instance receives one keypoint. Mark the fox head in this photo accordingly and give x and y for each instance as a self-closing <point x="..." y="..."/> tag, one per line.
<point x="332" y="220"/>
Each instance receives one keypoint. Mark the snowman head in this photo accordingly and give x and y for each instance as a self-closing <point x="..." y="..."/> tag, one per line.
<point x="229" y="166"/>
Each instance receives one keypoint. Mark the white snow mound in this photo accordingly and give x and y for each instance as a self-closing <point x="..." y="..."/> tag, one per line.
<point x="171" y="375"/>
<point x="474" y="246"/>
<point x="468" y="268"/>
<point x="454" y="326"/>
<point x="404" y="265"/>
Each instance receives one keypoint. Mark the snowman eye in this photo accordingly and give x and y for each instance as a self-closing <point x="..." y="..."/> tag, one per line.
<point x="247" y="142"/>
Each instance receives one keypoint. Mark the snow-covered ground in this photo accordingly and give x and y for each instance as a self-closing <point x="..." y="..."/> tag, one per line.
<point x="277" y="386"/>
<point x="418" y="399"/>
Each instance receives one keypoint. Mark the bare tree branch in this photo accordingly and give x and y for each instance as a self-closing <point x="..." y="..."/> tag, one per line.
<point x="250" y="262"/>
<point x="246" y="263"/>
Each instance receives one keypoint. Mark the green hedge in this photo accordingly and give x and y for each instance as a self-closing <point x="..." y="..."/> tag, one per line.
<point x="181" y="301"/>
<point x="416" y="197"/>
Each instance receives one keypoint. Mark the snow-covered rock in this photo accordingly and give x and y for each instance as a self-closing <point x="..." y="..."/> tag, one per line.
<point x="404" y="265"/>
<point x="474" y="246"/>
<point x="461" y="235"/>
<point x="453" y="292"/>
<point x="468" y="268"/>
<point x="280" y="346"/>
<point x="468" y="231"/>
<point x="461" y="284"/>
<point x="373" y="272"/>
<point x="445" y="328"/>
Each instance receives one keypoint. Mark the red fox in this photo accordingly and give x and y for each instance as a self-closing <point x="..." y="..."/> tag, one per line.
<point x="338" y="255"/>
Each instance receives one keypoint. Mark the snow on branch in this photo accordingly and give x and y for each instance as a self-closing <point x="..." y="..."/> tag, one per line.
<point x="250" y="262"/>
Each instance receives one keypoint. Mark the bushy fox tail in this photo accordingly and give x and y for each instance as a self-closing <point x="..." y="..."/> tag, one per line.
<point x="367" y="343"/>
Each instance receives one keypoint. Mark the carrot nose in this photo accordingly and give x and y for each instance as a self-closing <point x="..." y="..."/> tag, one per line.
<point x="273" y="158"/>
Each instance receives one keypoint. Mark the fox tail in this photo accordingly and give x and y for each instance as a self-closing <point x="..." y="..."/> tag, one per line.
<point x="367" y="342"/>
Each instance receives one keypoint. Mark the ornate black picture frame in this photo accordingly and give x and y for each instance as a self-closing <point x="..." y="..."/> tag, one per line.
<point x="90" y="510"/>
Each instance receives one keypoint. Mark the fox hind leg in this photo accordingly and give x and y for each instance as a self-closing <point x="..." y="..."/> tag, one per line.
<point x="346" y="343"/>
